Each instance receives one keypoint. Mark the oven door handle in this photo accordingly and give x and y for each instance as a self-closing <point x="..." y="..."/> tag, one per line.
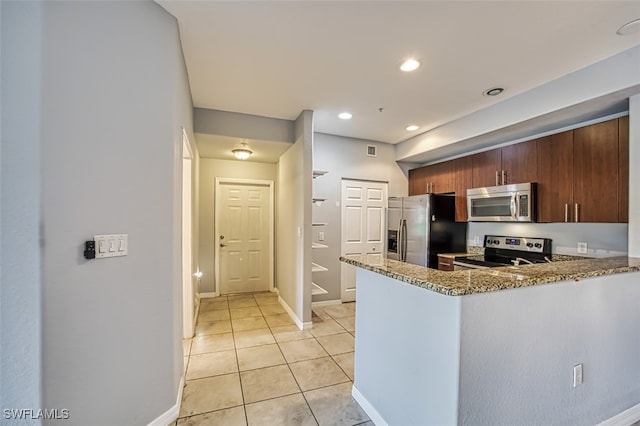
<point x="513" y="206"/>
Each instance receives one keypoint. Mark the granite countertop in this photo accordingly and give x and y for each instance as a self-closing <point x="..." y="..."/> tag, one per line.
<point x="460" y="283"/>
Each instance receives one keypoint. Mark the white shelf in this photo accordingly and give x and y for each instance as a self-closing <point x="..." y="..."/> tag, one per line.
<point x="317" y="268"/>
<point x="318" y="245"/>
<point x="317" y="289"/>
<point x="318" y="224"/>
<point x="317" y="173"/>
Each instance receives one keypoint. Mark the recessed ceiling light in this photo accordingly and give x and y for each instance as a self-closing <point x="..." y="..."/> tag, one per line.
<point x="412" y="128"/>
<point x="410" y="65"/>
<point x="345" y="115"/>
<point x="629" y="28"/>
<point x="495" y="91"/>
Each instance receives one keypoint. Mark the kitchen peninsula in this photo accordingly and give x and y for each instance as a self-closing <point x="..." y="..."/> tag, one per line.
<point x="499" y="345"/>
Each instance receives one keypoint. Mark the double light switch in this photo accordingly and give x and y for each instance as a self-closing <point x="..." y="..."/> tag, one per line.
<point x="111" y="245"/>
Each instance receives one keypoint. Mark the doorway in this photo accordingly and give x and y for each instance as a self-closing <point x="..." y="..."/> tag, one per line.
<point x="244" y="229"/>
<point x="189" y="293"/>
<point x="363" y="227"/>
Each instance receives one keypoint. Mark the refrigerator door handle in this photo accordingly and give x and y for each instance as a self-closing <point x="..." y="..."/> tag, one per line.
<point x="404" y="240"/>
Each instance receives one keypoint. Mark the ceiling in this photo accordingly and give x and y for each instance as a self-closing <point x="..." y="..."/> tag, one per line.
<point x="275" y="59"/>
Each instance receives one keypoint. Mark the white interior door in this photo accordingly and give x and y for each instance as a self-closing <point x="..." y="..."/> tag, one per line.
<point x="363" y="210"/>
<point x="244" y="237"/>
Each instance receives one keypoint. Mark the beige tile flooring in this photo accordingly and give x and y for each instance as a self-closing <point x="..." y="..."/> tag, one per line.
<point x="250" y="365"/>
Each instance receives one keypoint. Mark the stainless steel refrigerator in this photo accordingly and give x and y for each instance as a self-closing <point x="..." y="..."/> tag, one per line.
<point x="421" y="226"/>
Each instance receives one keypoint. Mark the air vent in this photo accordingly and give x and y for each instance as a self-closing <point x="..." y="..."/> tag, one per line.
<point x="371" y="150"/>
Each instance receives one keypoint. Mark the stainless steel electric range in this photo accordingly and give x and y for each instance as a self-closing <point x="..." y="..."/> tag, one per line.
<point x="507" y="251"/>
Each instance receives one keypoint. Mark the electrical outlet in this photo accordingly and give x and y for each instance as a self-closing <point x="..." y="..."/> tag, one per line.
<point x="582" y="248"/>
<point x="577" y="375"/>
<point x="476" y="240"/>
<point x="321" y="236"/>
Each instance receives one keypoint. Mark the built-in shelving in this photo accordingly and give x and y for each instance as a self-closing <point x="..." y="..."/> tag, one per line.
<point x="317" y="268"/>
<point x="316" y="289"/>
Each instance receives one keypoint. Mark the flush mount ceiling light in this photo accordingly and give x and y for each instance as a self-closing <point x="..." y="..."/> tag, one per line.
<point x="493" y="91"/>
<point x="629" y="28"/>
<point x="410" y="65"/>
<point x="242" y="152"/>
<point x="412" y="127"/>
<point x="345" y="116"/>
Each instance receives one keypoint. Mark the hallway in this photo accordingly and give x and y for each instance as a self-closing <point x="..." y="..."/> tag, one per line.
<point x="250" y="365"/>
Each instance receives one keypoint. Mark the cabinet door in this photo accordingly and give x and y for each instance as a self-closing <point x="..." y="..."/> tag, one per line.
<point x="555" y="177"/>
<point x="623" y="174"/>
<point x="595" y="188"/>
<point x="485" y="166"/>
<point x="442" y="177"/>
<point x="418" y="180"/>
<point x="519" y="162"/>
<point x="463" y="175"/>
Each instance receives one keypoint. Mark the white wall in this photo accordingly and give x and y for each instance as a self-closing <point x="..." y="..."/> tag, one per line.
<point x="407" y="362"/>
<point x="634" y="176"/>
<point x="209" y="170"/>
<point x="293" y="224"/>
<point x="115" y="97"/>
<point x="20" y="182"/>
<point x="519" y="347"/>
<point x="345" y="158"/>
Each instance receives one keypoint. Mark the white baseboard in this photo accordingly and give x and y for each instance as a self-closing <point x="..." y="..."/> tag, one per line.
<point x="208" y="295"/>
<point x="626" y="418"/>
<point x="326" y="303"/>
<point x="171" y="415"/>
<point x="373" y="414"/>
<point x="301" y="325"/>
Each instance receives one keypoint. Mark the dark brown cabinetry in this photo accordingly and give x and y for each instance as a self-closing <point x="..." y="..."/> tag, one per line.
<point x="511" y="164"/>
<point x="437" y="178"/>
<point x="555" y="177"/>
<point x="584" y="174"/>
<point x="463" y="176"/>
<point x="445" y="263"/>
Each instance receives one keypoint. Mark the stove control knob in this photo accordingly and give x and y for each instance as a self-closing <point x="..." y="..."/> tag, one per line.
<point x="496" y="242"/>
<point x="529" y="244"/>
<point x="538" y="245"/>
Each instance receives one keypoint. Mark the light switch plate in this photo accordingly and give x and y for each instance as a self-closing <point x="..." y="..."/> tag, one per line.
<point x="113" y="245"/>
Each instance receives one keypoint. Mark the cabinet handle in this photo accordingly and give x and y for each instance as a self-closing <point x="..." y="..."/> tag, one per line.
<point x="497" y="178"/>
<point x="566" y="212"/>
<point x="445" y="264"/>
<point x="432" y="187"/>
<point x="575" y="219"/>
<point x="504" y="177"/>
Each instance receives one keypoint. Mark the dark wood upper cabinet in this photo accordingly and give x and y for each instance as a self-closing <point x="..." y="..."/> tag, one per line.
<point x="596" y="167"/>
<point x="555" y="177"/>
<point x="418" y="181"/>
<point x="437" y="178"/>
<point x="582" y="174"/>
<point x="519" y="163"/>
<point x="486" y="168"/>
<point x="463" y="176"/>
<point x="516" y="163"/>
<point x="623" y="175"/>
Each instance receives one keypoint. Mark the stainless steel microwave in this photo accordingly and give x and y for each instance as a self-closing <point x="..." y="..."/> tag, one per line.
<point x="504" y="203"/>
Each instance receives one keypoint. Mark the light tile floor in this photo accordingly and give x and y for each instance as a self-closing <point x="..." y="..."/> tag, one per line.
<point x="250" y="365"/>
